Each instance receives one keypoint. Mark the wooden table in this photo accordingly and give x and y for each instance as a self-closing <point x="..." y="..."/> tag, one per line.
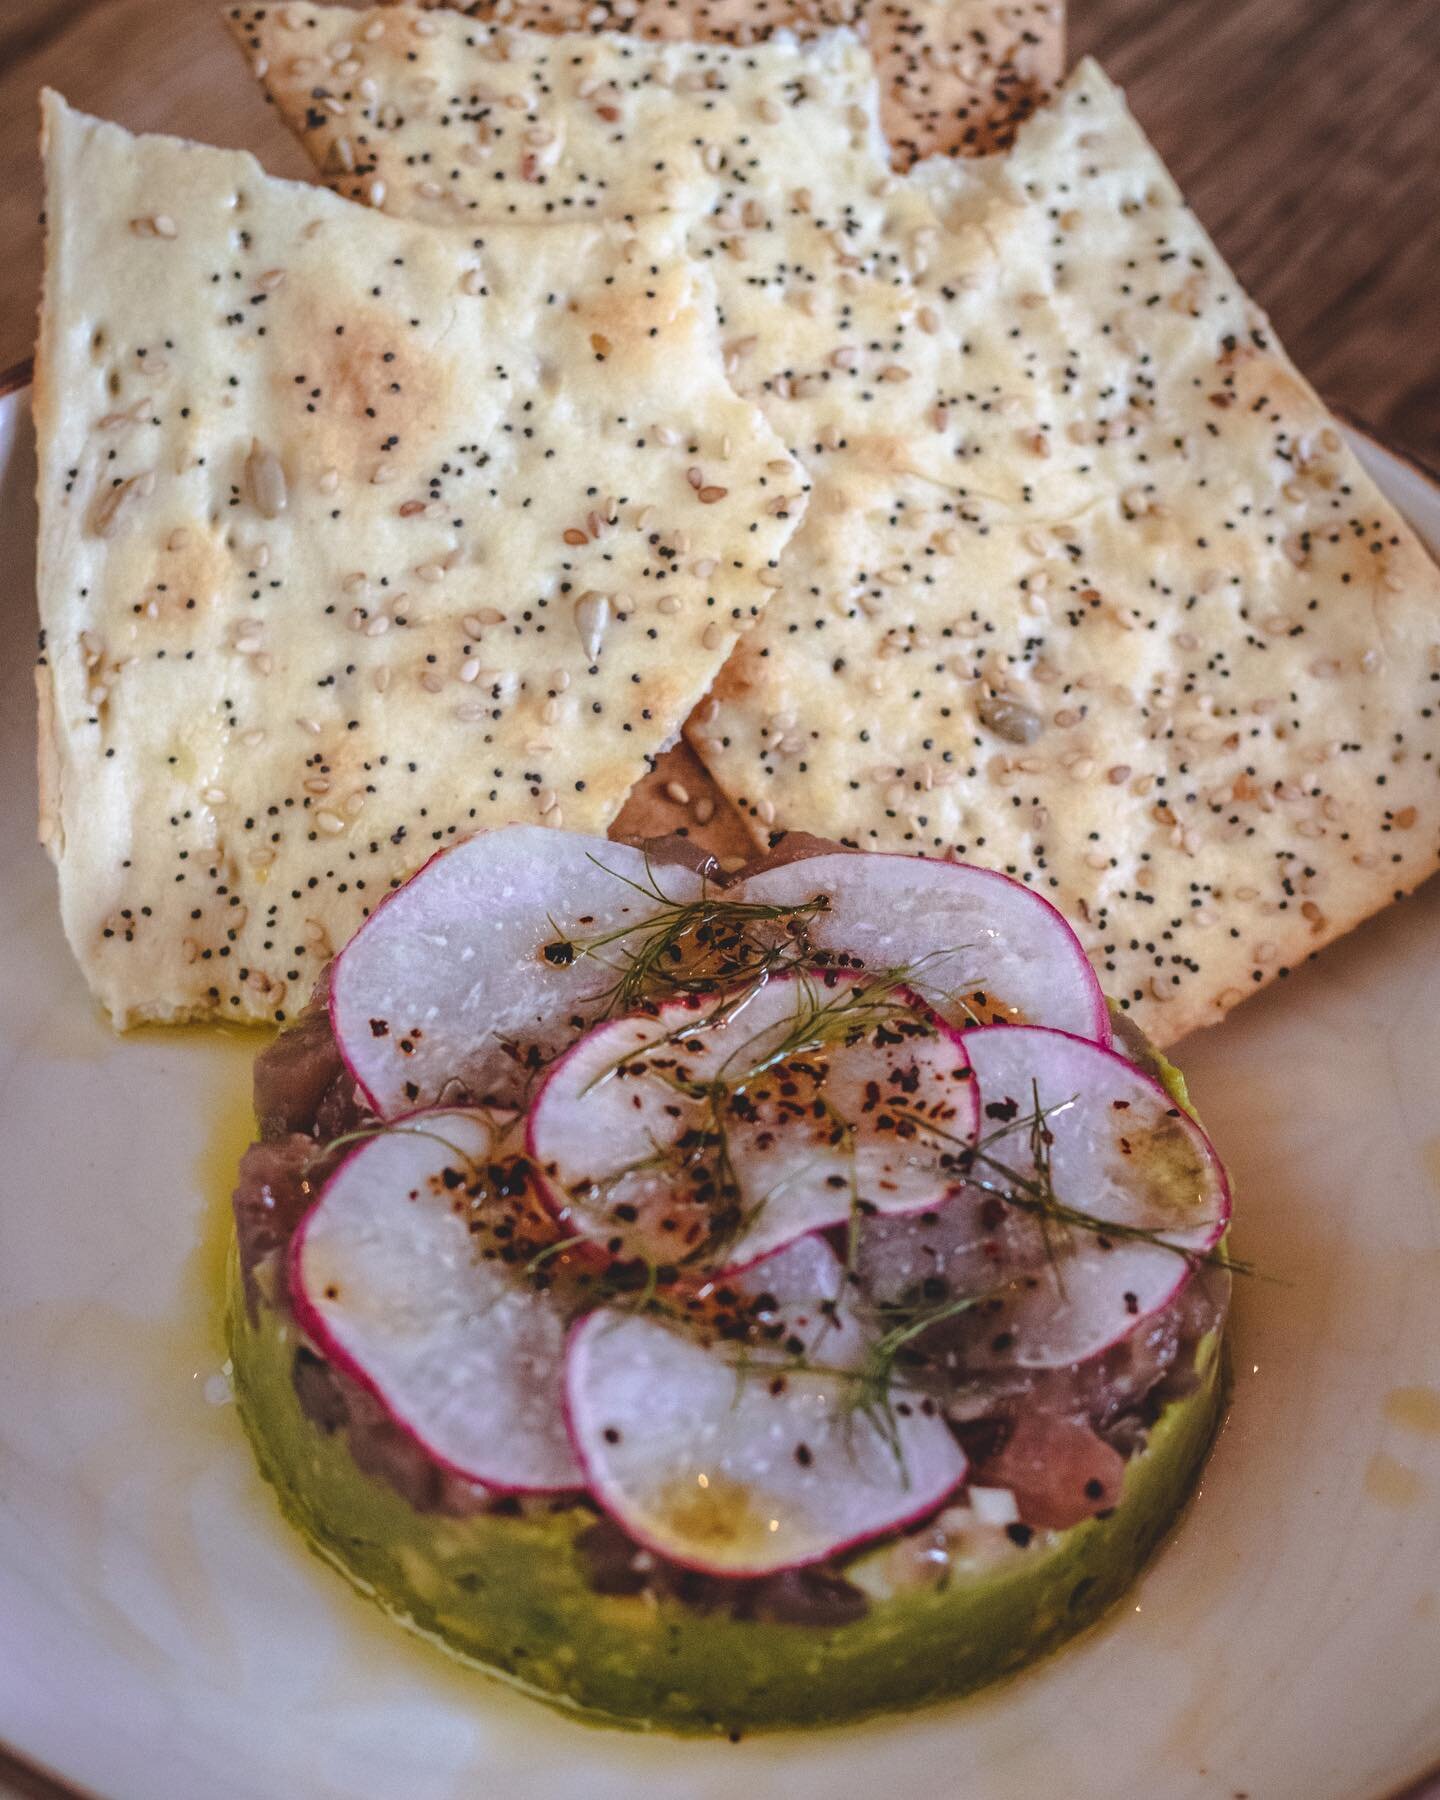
<point x="1305" y="132"/>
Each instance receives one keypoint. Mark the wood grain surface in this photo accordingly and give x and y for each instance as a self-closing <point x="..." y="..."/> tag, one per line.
<point x="1305" y="132"/>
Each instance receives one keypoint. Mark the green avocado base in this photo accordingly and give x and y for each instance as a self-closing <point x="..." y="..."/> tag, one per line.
<point x="510" y="1593"/>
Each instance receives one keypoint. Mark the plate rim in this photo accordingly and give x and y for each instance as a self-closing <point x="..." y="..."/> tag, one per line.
<point x="31" y="1780"/>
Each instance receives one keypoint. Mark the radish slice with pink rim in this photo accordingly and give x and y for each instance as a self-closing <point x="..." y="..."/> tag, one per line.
<point x="795" y="1304"/>
<point x="968" y="1245"/>
<point x="958" y="929"/>
<point x="738" y="1466"/>
<point x="1120" y="1153"/>
<point x="464" y="1354"/>
<point x="450" y="968"/>
<point x="692" y="1134"/>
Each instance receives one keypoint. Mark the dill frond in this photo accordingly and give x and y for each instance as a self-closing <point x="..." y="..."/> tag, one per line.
<point x="687" y="946"/>
<point x="1035" y="1193"/>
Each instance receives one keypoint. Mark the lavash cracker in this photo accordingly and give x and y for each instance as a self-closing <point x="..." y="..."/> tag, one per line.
<point x="770" y="157"/>
<point x="435" y="118"/>
<point x="773" y="160"/>
<point x="956" y="405"/>
<point x="957" y="76"/>
<point x="1125" y="617"/>
<point x="355" y="536"/>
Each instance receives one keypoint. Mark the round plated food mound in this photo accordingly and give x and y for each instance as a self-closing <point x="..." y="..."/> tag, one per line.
<point x="726" y="1304"/>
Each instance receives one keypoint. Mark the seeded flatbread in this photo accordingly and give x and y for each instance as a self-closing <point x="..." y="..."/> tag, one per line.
<point x="433" y="117"/>
<point x="1023" y="470"/>
<point x="778" y="175"/>
<point x="770" y="159"/>
<point x="957" y="76"/>
<point x="355" y="536"/>
<point x="1122" y="616"/>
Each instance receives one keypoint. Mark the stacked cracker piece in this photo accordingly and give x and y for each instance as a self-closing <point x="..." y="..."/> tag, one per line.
<point x="956" y="77"/>
<point x="356" y="536"/>
<point x="1087" y="585"/>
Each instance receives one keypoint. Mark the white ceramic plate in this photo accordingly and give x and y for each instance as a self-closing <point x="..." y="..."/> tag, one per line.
<point x="164" y="1636"/>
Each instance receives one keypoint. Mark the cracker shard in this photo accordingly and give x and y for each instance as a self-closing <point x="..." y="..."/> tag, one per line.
<point x="1107" y="503"/>
<point x="365" y="90"/>
<point x="307" y="558"/>
<point x="455" y="122"/>
<point x="1089" y="587"/>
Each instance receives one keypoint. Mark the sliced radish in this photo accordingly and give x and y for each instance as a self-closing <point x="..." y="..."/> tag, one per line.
<point x="464" y="1354"/>
<point x="974" y="939"/>
<point x="451" y="969"/>
<point x="691" y="1134"/>
<point x="1119" y="1151"/>
<point x="795" y="1304"/>
<point x="969" y="1244"/>
<point x="724" y="1466"/>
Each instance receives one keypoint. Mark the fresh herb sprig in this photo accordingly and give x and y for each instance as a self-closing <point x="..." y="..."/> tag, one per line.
<point x="893" y="1358"/>
<point x="362" y="1134"/>
<point x="685" y="947"/>
<point x="853" y="1010"/>
<point x="1035" y="1193"/>
<point x="892" y="1366"/>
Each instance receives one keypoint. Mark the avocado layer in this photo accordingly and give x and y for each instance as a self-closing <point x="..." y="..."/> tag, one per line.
<point x="511" y="1592"/>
